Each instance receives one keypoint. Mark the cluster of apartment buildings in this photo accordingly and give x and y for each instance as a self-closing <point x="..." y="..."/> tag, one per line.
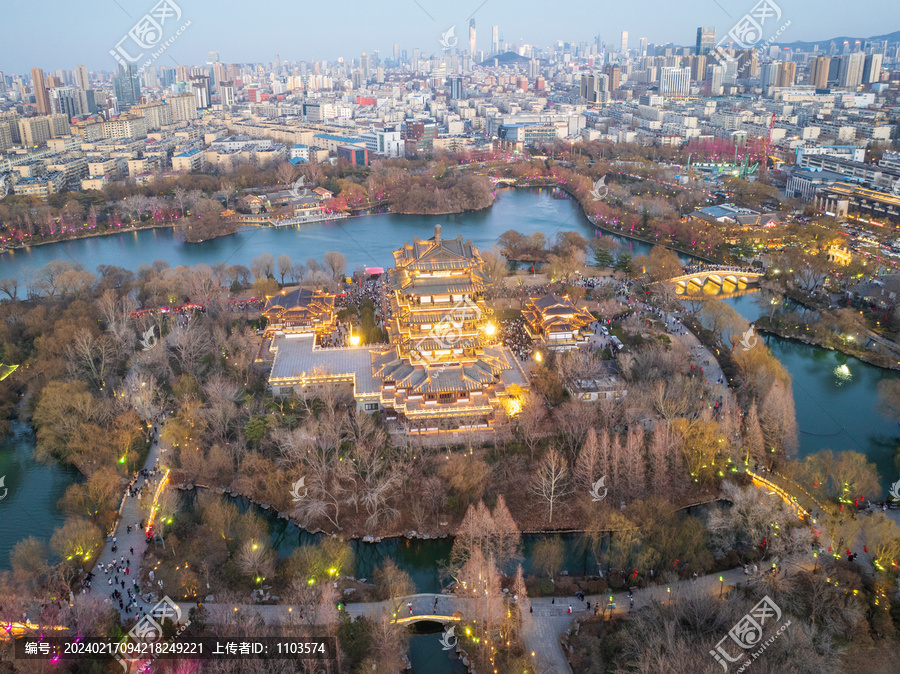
<point x="454" y="100"/>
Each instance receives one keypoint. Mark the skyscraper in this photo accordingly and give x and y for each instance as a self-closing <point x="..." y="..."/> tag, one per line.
<point x="851" y="70"/>
<point x="714" y="74"/>
<point x="212" y="57"/>
<point x="456" y="84"/>
<point x="226" y="92"/>
<point x="364" y="66"/>
<point x="787" y="74"/>
<point x="625" y="42"/>
<point x="396" y="54"/>
<point x="818" y="72"/>
<point x="127" y="85"/>
<point x="41" y="97"/>
<point x="495" y="40"/>
<point x="642" y="44"/>
<point x="67" y="101"/>
<point x="872" y="68"/>
<point x="706" y="40"/>
<point x="472" y="38"/>
<point x="81" y="78"/>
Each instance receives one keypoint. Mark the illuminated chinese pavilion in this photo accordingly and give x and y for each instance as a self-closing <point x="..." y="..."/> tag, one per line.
<point x="445" y="368"/>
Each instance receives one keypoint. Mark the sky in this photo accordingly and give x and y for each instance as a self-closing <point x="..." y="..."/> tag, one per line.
<point x="55" y="34"/>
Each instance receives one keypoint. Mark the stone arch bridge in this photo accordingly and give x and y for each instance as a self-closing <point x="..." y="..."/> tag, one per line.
<point x="736" y="278"/>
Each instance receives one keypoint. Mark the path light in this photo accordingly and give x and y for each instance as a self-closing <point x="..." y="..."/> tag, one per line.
<point x="538" y="357"/>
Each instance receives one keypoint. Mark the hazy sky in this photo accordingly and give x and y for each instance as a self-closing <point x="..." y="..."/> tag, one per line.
<point x="60" y="33"/>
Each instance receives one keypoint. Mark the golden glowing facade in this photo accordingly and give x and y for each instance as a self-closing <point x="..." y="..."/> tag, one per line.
<point x="554" y="322"/>
<point x="300" y="311"/>
<point x="445" y="369"/>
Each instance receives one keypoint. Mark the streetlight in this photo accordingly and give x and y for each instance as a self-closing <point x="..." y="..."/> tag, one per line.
<point x="722" y="590"/>
<point x="816" y="565"/>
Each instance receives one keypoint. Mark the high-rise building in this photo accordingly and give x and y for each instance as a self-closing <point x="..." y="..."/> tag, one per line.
<point x="127" y="85"/>
<point x="614" y="73"/>
<point x="698" y="67"/>
<point x="787" y="74"/>
<point x="212" y="57"/>
<point x="364" y="66"/>
<point x="768" y="76"/>
<point x="81" y="78"/>
<point x="495" y="40"/>
<point x="34" y="131"/>
<point x="872" y="68"/>
<point x="200" y="87"/>
<point x="706" y="40"/>
<point x="625" y="42"/>
<point x="41" y="97"/>
<point x="715" y="75"/>
<point x="67" y="101"/>
<point x="472" y="38"/>
<point x="851" y="70"/>
<point x="674" y="81"/>
<point x="818" y="72"/>
<point x="226" y="92"/>
<point x="396" y="54"/>
<point x="184" y="107"/>
<point x="747" y="63"/>
<point x="456" y="88"/>
<point x="642" y="46"/>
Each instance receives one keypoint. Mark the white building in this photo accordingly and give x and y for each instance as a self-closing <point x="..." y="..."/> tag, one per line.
<point x="674" y="81"/>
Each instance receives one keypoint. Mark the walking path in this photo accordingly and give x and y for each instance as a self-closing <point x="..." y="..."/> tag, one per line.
<point x="119" y="565"/>
<point x="541" y="630"/>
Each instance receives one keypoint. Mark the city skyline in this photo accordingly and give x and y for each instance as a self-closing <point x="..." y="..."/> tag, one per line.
<point x="375" y="28"/>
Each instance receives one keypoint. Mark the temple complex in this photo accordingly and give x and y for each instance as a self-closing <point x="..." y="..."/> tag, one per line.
<point x="444" y="369"/>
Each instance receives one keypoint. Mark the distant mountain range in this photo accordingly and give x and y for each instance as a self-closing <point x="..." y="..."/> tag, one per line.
<point x="823" y="44"/>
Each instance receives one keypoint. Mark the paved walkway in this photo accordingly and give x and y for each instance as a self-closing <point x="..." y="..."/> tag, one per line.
<point x="541" y="630"/>
<point x="124" y="549"/>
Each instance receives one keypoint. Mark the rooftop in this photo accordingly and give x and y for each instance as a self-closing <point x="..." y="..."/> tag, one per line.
<point x="295" y="356"/>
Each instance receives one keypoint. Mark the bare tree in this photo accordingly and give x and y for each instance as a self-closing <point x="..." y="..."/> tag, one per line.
<point x="263" y="266"/>
<point x="336" y="262"/>
<point x="10" y="287"/>
<point x="550" y="482"/>
<point x="285" y="266"/>
<point x="531" y="422"/>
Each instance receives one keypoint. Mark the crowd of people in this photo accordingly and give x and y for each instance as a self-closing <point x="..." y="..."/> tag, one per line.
<point x="516" y="338"/>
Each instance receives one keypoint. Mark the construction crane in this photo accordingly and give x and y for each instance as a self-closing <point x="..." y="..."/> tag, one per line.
<point x="765" y="157"/>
